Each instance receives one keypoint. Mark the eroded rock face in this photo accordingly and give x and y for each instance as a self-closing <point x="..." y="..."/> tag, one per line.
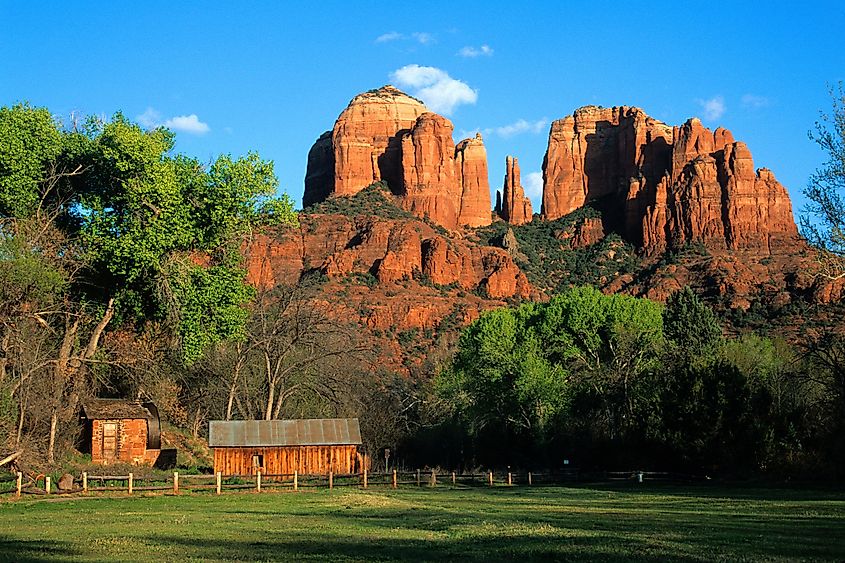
<point x="387" y="135"/>
<point x="471" y="162"/>
<point x="515" y="208"/>
<point x="429" y="183"/>
<point x="664" y="187"/>
<point x="390" y="250"/>
<point x="366" y="138"/>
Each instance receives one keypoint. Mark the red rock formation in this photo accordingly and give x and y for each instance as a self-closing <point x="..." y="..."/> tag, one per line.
<point x="679" y="185"/>
<point x="515" y="208"/>
<point x="430" y="186"/>
<point x="392" y="250"/>
<point x="387" y="135"/>
<point x="471" y="162"/>
<point x="366" y="139"/>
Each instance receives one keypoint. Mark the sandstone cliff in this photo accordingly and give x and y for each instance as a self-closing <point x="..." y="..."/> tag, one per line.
<point x="387" y="135"/>
<point x="662" y="187"/>
<point x="514" y="208"/>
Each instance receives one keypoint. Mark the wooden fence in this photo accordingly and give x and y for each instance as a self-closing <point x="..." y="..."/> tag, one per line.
<point x="180" y="482"/>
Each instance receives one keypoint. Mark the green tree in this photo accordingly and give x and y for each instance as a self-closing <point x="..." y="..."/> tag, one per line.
<point x="691" y="325"/>
<point x="101" y="224"/>
<point x="824" y="223"/>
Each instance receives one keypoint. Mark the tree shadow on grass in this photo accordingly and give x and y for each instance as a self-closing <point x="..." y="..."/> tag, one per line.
<point x="33" y="551"/>
<point x="674" y="527"/>
<point x="509" y="548"/>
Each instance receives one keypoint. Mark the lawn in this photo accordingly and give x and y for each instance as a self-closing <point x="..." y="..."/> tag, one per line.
<point x="624" y="523"/>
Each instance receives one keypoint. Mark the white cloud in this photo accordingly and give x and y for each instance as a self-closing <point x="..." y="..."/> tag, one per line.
<point x="187" y="124"/>
<point x="472" y="52"/>
<point x="439" y="91"/>
<point x="714" y="108"/>
<point x="149" y="119"/>
<point x="389" y="36"/>
<point x="423" y="37"/>
<point x="533" y="185"/>
<point x="521" y="126"/>
<point x="754" y="102"/>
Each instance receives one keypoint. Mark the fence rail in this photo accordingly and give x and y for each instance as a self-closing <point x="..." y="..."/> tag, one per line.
<point x="176" y="483"/>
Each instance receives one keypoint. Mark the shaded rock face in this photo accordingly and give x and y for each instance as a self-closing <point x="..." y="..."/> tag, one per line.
<point x="387" y="135"/>
<point x="662" y="187"/>
<point x="514" y="207"/>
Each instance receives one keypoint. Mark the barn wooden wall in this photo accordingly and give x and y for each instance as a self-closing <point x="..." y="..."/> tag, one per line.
<point x="306" y="460"/>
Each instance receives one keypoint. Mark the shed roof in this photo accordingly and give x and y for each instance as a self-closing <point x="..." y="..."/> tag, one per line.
<point x="300" y="432"/>
<point x="105" y="409"/>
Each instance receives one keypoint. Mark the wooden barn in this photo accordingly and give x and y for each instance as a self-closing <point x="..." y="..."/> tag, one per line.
<point x="122" y="431"/>
<point x="280" y="447"/>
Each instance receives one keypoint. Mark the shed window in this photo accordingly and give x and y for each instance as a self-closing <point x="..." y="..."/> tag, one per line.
<point x="258" y="460"/>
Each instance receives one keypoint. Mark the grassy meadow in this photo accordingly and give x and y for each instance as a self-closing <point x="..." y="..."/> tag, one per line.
<point x="615" y="523"/>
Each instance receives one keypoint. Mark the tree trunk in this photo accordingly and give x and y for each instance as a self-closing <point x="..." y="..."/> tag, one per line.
<point x="51" y="448"/>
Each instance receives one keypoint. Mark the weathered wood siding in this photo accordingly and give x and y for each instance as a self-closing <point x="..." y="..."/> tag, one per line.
<point x="306" y="460"/>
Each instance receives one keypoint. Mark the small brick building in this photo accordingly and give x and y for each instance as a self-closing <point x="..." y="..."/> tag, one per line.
<point x="119" y="431"/>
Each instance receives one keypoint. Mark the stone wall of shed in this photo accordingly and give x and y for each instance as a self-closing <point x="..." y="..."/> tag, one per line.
<point x="131" y="446"/>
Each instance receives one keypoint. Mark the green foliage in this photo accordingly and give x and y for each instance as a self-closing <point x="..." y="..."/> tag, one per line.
<point x="690" y="324"/>
<point x="521" y="368"/>
<point x="27" y="276"/>
<point x="551" y="264"/>
<point x="29" y="142"/>
<point x="211" y="306"/>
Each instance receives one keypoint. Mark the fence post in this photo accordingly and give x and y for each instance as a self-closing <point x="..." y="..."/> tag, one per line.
<point x="510" y="479"/>
<point x="258" y="481"/>
<point x="453" y="477"/>
<point x="490" y="478"/>
<point x="418" y="477"/>
<point x="219" y="482"/>
<point x="433" y="478"/>
<point x="130" y="483"/>
<point x="365" y="478"/>
<point x="394" y="478"/>
<point x="331" y="480"/>
<point x="529" y="478"/>
<point x="47" y="484"/>
<point x="19" y="484"/>
<point x="175" y="482"/>
<point x="295" y="480"/>
<point x="85" y="482"/>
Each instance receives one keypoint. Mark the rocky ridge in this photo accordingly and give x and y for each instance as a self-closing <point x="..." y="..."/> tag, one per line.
<point x="663" y="187"/>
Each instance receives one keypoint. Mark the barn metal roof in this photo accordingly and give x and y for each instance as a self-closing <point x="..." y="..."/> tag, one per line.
<point x="301" y="432"/>
<point x="107" y="409"/>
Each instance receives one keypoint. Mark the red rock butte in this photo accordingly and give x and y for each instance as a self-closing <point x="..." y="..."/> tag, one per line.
<point x="513" y="206"/>
<point x="386" y="135"/>
<point x="661" y="186"/>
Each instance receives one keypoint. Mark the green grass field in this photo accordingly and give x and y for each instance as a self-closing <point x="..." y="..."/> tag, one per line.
<point x="624" y="523"/>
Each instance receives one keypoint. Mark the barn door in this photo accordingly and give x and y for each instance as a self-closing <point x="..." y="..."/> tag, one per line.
<point x="109" y="440"/>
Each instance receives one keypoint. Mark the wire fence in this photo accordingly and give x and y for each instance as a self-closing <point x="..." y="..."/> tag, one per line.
<point x="17" y="485"/>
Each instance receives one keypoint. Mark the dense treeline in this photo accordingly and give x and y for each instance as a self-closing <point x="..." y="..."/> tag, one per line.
<point x="614" y="381"/>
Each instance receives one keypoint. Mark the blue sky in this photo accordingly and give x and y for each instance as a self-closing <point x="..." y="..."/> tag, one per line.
<point x="271" y="76"/>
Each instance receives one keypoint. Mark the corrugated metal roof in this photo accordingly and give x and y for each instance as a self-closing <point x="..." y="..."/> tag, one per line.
<point x="106" y="409"/>
<point x="301" y="432"/>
